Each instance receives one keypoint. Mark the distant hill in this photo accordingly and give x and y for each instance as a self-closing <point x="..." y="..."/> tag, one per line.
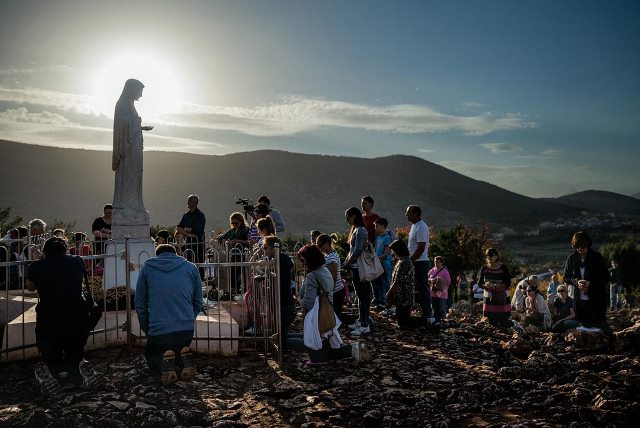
<point x="600" y="200"/>
<point x="312" y="191"/>
<point x="636" y="195"/>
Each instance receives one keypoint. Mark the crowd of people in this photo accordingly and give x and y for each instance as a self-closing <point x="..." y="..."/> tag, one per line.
<point x="408" y="287"/>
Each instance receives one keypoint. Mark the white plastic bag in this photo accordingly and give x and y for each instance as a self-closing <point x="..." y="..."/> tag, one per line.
<point x="311" y="335"/>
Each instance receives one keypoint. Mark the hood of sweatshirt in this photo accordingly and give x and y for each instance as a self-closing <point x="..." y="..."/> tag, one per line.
<point x="165" y="262"/>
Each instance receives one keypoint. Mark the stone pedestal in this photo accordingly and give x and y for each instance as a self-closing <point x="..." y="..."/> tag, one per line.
<point x="141" y="248"/>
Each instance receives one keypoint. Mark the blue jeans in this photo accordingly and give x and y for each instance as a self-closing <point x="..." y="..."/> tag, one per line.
<point x="424" y="296"/>
<point x="157" y="345"/>
<point x="380" y="287"/>
<point x="363" y="290"/>
<point x="615" y="294"/>
<point x="439" y="308"/>
<point x="565" y="325"/>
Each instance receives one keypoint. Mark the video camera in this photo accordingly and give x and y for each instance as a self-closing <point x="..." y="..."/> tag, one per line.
<point x="247" y="204"/>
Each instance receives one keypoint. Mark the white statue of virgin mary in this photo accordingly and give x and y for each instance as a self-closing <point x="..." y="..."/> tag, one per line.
<point x="127" y="158"/>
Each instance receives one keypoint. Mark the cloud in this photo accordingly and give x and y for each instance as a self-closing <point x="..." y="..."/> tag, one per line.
<point x="22" y="115"/>
<point x="426" y="151"/>
<point x="83" y="104"/>
<point x="14" y="71"/>
<point x="472" y="104"/>
<point x="95" y="138"/>
<point x="502" y="147"/>
<point x="552" y="153"/>
<point x="295" y="115"/>
<point x="291" y="115"/>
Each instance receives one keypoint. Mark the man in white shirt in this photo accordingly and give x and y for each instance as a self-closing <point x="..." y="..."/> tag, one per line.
<point x="418" y="250"/>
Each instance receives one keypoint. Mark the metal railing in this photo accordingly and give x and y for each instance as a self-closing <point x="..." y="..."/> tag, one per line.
<point x="241" y="289"/>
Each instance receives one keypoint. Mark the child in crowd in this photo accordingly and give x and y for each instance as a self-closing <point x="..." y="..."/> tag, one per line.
<point x="81" y="247"/>
<point x="382" y="283"/>
<point x="332" y="263"/>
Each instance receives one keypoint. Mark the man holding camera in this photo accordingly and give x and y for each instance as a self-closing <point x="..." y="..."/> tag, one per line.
<point x="273" y="213"/>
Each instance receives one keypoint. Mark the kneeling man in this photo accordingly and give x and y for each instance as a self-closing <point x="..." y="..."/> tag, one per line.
<point x="168" y="299"/>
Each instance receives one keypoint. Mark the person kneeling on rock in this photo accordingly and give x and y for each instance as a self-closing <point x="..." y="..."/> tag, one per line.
<point x="537" y="310"/>
<point x="168" y="300"/>
<point x="329" y="345"/>
<point x="61" y="320"/>
<point x="566" y="316"/>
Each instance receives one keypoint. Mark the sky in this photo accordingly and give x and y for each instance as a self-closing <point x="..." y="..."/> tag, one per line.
<point x="540" y="98"/>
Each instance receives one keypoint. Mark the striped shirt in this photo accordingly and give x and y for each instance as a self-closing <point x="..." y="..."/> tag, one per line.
<point x="330" y="259"/>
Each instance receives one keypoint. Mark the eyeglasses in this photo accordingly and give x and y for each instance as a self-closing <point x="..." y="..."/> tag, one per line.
<point x="234" y="223"/>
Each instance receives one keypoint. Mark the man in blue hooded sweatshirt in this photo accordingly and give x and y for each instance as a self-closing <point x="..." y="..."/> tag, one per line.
<point x="168" y="299"/>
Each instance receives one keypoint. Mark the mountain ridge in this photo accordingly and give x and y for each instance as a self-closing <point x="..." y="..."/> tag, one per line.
<point x="312" y="191"/>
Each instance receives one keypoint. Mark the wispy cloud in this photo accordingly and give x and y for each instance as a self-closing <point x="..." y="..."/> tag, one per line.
<point x="294" y="115"/>
<point x="472" y="104"/>
<point x="502" y="147"/>
<point x="552" y="153"/>
<point x="83" y="104"/>
<point x="15" y="71"/>
<point x="426" y="151"/>
<point x="22" y="115"/>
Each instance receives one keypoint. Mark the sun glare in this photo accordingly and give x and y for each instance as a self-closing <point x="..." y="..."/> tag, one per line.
<point x="162" y="93"/>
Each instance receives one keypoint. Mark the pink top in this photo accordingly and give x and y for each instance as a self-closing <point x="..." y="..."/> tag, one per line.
<point x="444" y="274"/>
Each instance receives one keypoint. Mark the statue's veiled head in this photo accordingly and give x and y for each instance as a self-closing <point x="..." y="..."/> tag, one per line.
<point x="132" y="89"/>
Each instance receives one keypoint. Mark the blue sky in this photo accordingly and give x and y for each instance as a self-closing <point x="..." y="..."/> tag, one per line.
<point x="541" y="98"/>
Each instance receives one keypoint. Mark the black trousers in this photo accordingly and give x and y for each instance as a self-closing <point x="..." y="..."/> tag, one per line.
<point x="61" y="345"/>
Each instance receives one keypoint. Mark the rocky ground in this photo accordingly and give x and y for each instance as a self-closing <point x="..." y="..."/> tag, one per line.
<point x="469" y="375"/>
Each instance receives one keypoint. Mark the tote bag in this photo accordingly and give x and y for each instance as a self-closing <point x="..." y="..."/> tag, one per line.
<point x="369" y="266"/>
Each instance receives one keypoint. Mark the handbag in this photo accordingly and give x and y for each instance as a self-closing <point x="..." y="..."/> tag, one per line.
<point x="438" y="283"/>
<point x="326" y="315"/>
<point x="369" y="266"/>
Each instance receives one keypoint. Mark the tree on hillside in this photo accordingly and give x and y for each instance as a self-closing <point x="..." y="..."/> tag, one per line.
<point x="463" y="248"/>
<point x="627" y="253"/>
<point x="6" y="222"/>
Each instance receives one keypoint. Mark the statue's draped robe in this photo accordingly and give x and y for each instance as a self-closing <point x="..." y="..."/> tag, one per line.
<point x="127" y="163"/>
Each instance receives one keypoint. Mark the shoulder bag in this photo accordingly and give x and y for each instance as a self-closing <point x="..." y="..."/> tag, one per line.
<point x="369" y="266"/>
<point x="326" y="315"/>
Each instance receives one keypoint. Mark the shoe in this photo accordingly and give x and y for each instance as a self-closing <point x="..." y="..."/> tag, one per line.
<point x="316" y="363"/>
<point x="250" y="331"/>
<point x="360" y="352"/>
<point x="91" y="379"/>
<point x="188" y="369"/>
<point x="48" y="384"/>
<point x="169" y="374"/>
<point x="354" y="325"/>
<point x="360" y="331"/>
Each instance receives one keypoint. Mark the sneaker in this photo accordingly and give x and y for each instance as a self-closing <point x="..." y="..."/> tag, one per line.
<point x="188" y="369"/>
<point x="91" y="379"/>
<point x="316" y="363"/>
<point x="389" y="311"/>
<point x="354" y="325"/>
<point x="169" y="374"/>
<point x="48" y="384"/>
<point x="250" y="331"/>
<point x="360" y="331"/>
<point x="360" y="352"/>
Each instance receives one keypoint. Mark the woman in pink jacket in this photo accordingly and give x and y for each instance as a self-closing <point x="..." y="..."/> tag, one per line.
<point x="439" y="280"/>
